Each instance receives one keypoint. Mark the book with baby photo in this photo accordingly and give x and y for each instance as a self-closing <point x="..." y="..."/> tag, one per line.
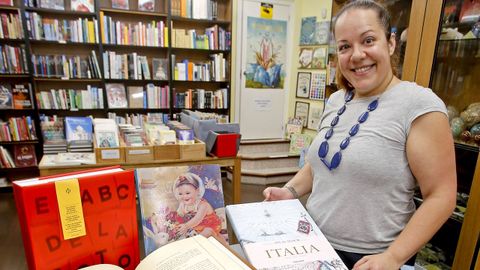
<point x="180" y="202"/>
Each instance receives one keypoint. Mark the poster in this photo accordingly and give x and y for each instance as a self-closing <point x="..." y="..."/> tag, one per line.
<point x="266" y="53"/>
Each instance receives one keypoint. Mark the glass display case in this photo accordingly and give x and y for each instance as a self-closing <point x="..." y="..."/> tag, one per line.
<point x="455" y="77"/>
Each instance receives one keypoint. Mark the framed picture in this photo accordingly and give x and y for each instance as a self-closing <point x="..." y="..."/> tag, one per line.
<point x="305" y="58"/>
<point x="315" y="115"/>
<point x="301" y="111"/>
<point x="317" y="89"/>
<point x="303" y="84"/>
<point x="319" y="58"/>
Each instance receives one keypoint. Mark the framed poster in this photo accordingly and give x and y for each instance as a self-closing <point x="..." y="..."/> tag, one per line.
<point x="315" y="115"/>
<point x="317" y="90"/>
<point x="301" y="111"/>
<point x="303" y="84"/>
<point x="319" y="58"/>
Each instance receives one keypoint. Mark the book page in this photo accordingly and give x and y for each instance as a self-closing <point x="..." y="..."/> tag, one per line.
<point x="194" y="253"/>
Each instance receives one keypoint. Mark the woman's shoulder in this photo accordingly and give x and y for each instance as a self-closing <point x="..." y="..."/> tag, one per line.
<point x="414" y="92"/>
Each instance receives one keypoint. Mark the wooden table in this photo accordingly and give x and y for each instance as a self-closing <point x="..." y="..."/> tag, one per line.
<point x="234" y="162"/>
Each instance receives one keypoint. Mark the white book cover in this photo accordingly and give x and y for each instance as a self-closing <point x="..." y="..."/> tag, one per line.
<point x="281" y="235"/>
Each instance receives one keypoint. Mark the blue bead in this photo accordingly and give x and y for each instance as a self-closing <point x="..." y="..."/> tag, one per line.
<point x="348" y="96"/>
<point x="373" y="105"/>
<point x="335" y="121"/>
<point x="354" y="130"/>
<point x="345" y="143"/>
<point x="329" y="134"/>
<point x="336" y="160"/>
<point x="326" y="163"/>
<point x="342" y="110"/>
<point x="323" y="150"/>
<point x="363" y="117"/>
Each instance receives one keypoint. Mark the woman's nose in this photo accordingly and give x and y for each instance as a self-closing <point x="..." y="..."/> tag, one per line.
<point x="357" y="53"/>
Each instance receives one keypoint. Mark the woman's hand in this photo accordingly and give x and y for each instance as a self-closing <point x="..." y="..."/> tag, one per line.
<point x="381" y="261"/>
<point x="276" y="194"/>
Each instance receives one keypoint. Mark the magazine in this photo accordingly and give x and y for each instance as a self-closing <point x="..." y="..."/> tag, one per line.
<point x="171" y="200"/>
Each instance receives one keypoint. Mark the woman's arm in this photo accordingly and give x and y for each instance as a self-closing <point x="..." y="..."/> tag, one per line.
<point x="431" y="156"/>
<point x="301" y="184"/>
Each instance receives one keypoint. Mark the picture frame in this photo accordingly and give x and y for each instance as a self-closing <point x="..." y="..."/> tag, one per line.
<point x="303" y="84"/>
<point x="305" y="58"/>
<point x="301" y="111"/>
<point x="315" y="113"/>
<point x="318" y="85"/>
<point x="319" y="58"/>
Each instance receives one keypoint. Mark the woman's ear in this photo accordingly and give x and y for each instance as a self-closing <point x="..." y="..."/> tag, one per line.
<point x="392" y="43"/>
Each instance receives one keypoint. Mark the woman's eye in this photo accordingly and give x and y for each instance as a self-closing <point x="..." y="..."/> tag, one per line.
<point x="369" y="40"/>
<point x="342" y="47"/>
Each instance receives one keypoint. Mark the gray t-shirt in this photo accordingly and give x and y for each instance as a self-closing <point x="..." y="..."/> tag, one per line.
<point x="364" y="204"/>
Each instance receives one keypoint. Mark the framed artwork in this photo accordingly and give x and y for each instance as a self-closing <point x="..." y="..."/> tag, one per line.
<point x="303" y="84"/>
<point x="317" y="89"/>
<point x="319" y="58"/>
<point x="315" y="115"/>
<point x="301" y="111"/>
<point x="305" y="58"/>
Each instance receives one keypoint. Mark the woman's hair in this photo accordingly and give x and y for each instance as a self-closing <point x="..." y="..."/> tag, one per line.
<point x="383" y="18"/>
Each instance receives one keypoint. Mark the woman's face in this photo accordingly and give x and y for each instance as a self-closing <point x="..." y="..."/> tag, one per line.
<point x="363" y="51"/>
<point x="187" y="194"/>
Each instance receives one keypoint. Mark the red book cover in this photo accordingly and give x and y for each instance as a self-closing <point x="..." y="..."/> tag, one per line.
<point x="109" y="210"/>
<point x="24" y="155"/>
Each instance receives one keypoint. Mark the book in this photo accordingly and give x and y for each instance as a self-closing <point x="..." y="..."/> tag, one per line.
<point x="5" y="96"/>
<point x="120" y="4"/>
<point x="22" y="98"/>
<point x="116" y="96"/>
<point x="101" y="227"/>
<point x="78" y="130"/>
<point x="146" y="5"/>
<point x="194" y="253"/>
<point x="135" y="96"/>
<point x="160" y="69"/>
<point x="24" y="155"/>
<point x="83" y="5"/>
<point x="171" y="199"/>
<point x="6" y="2"/>
<point x="298" y="142"/>
<point x="281" y="235"/>
<point x="75" y="158"/>
<point x="53" y="132"/>
<point x="307" y="30"/>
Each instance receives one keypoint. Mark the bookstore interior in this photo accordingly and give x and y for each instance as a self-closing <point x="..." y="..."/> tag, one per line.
<point x="141" y="134"/>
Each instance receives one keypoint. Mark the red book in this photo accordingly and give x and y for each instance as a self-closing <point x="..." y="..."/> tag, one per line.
<point x="109" y="210"/>
<point x="24" y="155"/>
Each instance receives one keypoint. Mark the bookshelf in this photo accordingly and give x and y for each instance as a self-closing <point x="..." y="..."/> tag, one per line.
<point x="76" y="52"/>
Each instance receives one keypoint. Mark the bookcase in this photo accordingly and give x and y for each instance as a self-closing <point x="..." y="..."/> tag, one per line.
<point x="77" y="51"/>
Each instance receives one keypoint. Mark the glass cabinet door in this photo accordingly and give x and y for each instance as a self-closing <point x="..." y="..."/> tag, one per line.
<point x="455" y="78"/>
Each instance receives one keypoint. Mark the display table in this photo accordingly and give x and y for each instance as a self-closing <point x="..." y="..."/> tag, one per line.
<point x="234" y="162"/>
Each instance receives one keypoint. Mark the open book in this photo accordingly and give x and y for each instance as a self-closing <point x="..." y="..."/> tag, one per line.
<point x="194" y="253"/>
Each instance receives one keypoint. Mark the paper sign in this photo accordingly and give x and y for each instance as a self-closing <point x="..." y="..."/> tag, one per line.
<point x="266" y="11"/>
<point x="70" y="208"/>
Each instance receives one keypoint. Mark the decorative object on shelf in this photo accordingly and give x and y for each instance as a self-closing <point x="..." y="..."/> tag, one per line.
<point x="303" y="84"/>
<point x="301" y="112"/>
<point x="305" y="58"/>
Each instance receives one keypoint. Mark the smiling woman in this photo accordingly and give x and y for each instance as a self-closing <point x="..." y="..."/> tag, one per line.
<point x="379" y="138"/>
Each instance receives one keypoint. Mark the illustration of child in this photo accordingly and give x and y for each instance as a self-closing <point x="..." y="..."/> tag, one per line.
<point x="196" y="212"/>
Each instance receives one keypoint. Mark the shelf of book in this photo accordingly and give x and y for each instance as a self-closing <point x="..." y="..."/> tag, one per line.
<point x="61" y="43"/>
<point x="63" y="80"/>
<point x="5" y="8"/>
<point x="197" y="50"/>
<point x="202" y="21"/>
<point x="12" y="40"/>
<point x="134" y="12"/>
<point x="13" y="76"/>
<point x="18" y="142"/>
<point x="60" y="12"/>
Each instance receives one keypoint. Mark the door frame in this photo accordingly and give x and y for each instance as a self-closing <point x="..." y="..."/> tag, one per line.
<point x="239" y="49"/>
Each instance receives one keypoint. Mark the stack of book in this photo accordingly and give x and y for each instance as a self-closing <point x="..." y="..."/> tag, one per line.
<point x="53" y="134"/>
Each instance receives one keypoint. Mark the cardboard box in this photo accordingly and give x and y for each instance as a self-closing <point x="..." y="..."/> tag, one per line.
<point x="109" y="155"/>
<point x="136" y="154"/>
<point x="193" y="151"/>
<point x="166" y="151"/>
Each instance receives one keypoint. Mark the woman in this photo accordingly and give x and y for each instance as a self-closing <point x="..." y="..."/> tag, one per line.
<point x="379" y="138"/>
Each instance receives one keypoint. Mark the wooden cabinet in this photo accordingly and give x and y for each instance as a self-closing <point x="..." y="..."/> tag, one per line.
<point x="449" y="63"/>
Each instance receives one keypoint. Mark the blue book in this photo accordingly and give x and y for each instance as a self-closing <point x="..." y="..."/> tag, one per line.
<point x="78" y="130"/>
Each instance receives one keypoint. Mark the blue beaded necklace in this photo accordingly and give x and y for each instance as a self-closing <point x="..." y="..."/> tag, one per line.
<point x="337" y="157"/>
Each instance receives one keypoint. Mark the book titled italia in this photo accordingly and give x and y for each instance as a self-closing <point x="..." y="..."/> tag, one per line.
<point x="281" y="235"/>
